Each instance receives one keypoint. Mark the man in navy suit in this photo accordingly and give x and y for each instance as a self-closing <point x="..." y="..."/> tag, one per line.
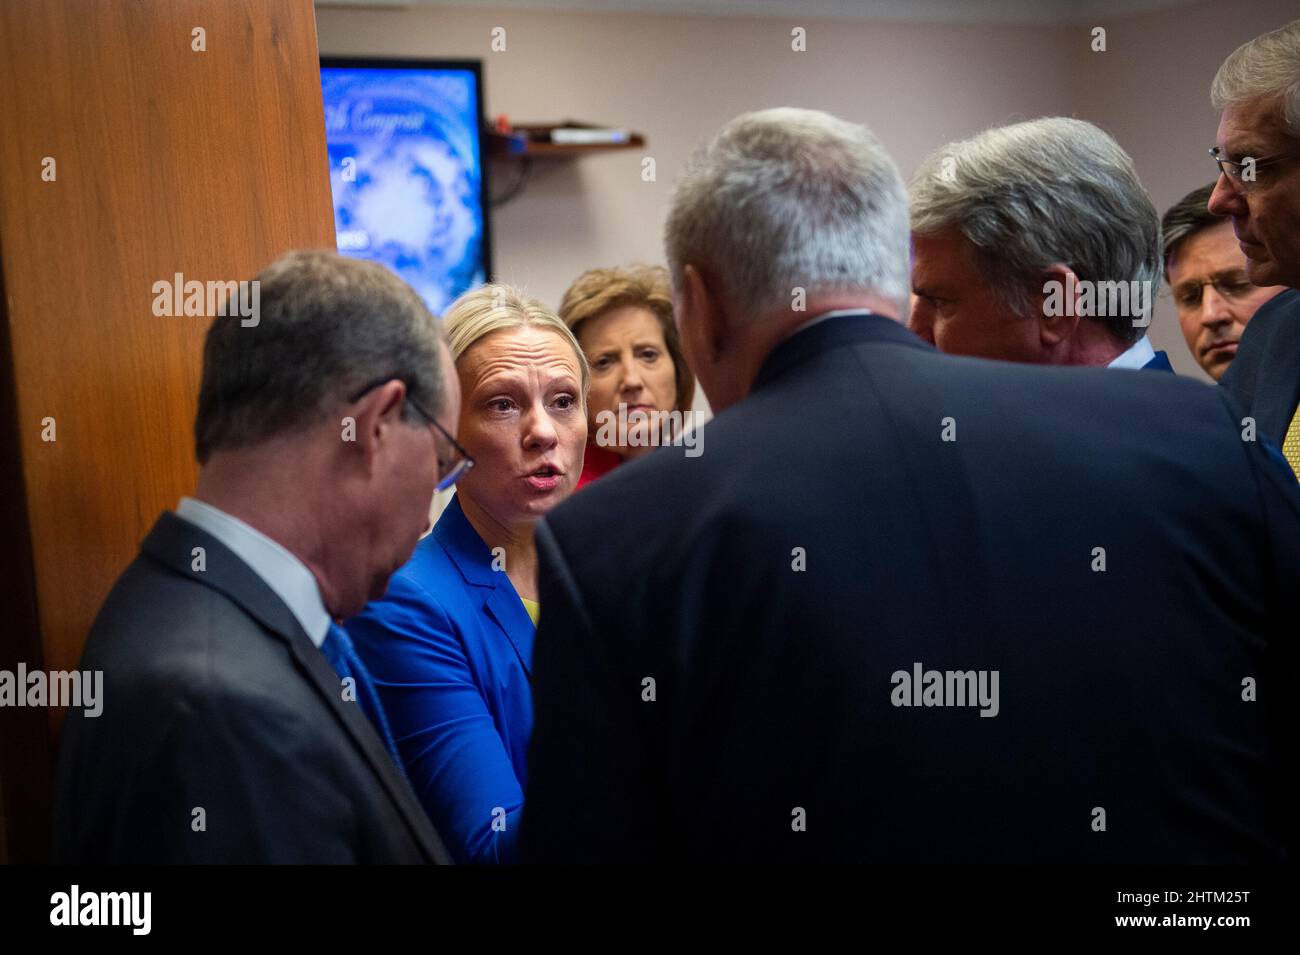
<point x="1258" y="154"/>
<point x="1206" y="271"/>
<point x="1036" y="243"/>
<point x="906" y="606"/>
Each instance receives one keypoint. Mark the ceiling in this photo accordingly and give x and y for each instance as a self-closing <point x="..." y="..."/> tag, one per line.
<point x="932" y="11"/>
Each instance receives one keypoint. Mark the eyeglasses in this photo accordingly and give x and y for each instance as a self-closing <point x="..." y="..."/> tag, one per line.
<point x="1236" y="170"/>
<point x="1231" y="285"/>
<point x="462" y="461"/>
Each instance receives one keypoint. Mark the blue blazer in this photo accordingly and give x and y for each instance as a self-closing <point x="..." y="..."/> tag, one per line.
<point x="450" y="648"/>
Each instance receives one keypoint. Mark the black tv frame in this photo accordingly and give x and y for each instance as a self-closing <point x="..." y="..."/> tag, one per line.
<point x="420" y="63"/>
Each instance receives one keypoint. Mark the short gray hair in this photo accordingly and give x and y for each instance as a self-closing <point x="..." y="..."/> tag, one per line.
<point x="1034" y="194"/>
<point x="1262" y="68"/>
<point x="1188" y="216"/>
<point x="327" y="325"/>
<point x="791" y="198"/>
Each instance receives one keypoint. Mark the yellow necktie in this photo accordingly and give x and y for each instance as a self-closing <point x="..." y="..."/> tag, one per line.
<point x="1291" y="444"/>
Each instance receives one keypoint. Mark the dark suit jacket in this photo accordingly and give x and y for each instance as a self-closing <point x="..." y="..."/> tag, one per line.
<point x="216" y="699"/>
<point x="828" y="538"/>
<point x="1159" y="363"/>
<point x="1265" y="375"/>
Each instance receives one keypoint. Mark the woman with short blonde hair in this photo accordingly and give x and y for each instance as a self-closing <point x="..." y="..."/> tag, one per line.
<point x="451" y="643"/>
<point x="493" y="307"/>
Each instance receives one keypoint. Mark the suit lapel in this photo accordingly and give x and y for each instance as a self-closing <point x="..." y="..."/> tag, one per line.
<point x="326" y="681"/>
<point x="472" y="558"/>
<point x="172" y="542"/>
<point x="1278" y="388"/>
<point x="508" y="613"/>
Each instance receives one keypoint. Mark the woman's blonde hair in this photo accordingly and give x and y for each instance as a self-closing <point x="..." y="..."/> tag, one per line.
<point x="494" y="307"/>
<point x="598" y="291"/>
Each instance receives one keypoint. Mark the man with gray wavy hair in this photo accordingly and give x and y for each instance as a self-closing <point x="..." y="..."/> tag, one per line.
<point x="1257" y="151"/>
<point x="1036" y="243"/>
<point x="874" y="621"/>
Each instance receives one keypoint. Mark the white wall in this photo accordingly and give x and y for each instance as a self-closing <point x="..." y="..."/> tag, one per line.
<point x="676" y="78"/>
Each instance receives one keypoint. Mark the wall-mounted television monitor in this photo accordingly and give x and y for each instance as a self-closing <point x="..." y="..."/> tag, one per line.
<point x="407" y="170"/>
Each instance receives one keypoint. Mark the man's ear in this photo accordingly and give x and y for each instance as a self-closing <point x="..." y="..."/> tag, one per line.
<point x="1057" y="298"/>
<point x="376" y="414"/>
<point x="708" y="324"/>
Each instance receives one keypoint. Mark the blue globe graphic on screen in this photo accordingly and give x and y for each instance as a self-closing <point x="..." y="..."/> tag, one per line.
<point x="406" y="176"/>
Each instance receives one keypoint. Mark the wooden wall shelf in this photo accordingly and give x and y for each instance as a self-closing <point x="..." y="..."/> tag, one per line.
<point x="533" y="140"/>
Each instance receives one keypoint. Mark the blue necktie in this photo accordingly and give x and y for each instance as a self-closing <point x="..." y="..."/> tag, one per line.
<point x="342" y="655"/>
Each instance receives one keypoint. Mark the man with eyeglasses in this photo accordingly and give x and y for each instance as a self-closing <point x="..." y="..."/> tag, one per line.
<point x="1206" y="271"/>
<point x="239" y="725"/>
<point x="1258" y="155"/>
<point x="453" y="460"/>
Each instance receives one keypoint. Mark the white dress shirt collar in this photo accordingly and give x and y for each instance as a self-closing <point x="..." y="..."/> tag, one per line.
<point x="1137" y="355"/>
<point x="285" y="574"/>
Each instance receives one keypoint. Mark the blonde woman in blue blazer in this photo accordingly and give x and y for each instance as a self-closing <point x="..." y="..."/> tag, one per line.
<point x="450" y="645"/>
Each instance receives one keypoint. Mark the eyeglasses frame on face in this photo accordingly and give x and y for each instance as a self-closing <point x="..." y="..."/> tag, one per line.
<point x="465" y="461"/>
<point x="1232" y="169"/>
<point x="1245" y="288"/>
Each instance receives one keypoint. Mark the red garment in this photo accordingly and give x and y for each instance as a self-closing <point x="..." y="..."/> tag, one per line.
<point x="596" y="463"/>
